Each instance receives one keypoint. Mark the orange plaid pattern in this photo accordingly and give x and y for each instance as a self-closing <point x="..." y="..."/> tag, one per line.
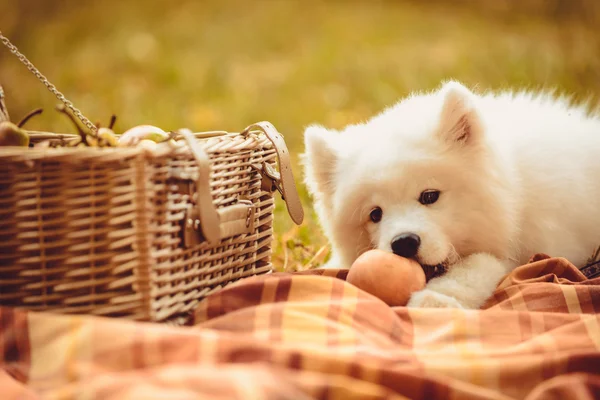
<point x="313" y="336"/>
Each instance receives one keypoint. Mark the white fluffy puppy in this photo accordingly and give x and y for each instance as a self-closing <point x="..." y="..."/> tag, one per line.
<point x="477" y="183"/>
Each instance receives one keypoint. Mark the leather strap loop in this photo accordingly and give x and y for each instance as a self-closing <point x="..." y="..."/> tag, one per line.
<point x="288" y="185"/>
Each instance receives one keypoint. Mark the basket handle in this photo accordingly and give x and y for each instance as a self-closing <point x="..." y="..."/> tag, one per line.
<point x="288" y="185"/>
<point x="215" y="224"/>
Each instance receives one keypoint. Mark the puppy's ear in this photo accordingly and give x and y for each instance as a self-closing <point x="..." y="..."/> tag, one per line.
<point x="459" y="121"/>
<point x="320" y="160"/>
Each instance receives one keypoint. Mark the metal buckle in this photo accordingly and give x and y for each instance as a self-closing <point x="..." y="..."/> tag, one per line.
<point x="271" y="178"/>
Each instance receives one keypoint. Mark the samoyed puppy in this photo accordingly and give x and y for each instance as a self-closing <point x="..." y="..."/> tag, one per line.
<point x="472" y="182"/>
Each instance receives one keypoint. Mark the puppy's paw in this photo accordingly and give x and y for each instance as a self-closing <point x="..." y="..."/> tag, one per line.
<point x="428" y="298"/>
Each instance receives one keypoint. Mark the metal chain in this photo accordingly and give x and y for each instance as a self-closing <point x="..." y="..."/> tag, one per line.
<point x="13" y="49"/>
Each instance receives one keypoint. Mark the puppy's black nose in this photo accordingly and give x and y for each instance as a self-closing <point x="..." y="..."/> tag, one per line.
<point x="406" y="245"/>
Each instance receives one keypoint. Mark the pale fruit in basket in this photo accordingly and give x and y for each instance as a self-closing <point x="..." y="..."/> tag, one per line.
<point x="147" y="144"/>
<point x="12" y="135"/>
<point x="139" y="133"/>
<point x="107" y="137"/>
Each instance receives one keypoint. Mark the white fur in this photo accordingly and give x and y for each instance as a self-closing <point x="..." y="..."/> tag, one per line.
<point x="519" y="174"/>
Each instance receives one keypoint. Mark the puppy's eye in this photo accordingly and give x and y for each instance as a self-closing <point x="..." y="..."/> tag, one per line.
<point x="376" y="214"/>
<point x="429" y="196"/>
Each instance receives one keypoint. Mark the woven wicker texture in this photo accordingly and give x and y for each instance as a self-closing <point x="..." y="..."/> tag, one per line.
<point x="100" y="231"/>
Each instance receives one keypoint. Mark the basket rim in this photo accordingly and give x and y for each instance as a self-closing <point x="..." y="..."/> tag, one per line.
<point x="162" y="149"/>
<point x="41" y="135"/>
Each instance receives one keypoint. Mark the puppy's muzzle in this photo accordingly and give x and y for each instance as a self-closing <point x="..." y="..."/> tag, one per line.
<point x="406" y="245"/>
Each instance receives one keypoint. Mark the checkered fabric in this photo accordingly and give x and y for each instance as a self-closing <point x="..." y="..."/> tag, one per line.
<point x="312" y="335"/>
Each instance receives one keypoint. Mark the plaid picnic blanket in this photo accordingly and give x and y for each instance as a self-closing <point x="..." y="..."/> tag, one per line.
<point x="311" y="335"/>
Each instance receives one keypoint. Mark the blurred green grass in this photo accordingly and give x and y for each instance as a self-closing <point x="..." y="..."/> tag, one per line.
<point x="225" y="64"/>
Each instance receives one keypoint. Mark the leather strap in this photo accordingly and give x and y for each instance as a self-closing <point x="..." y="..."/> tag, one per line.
<point x="207" y="211"/>
<point x="288" y="185"/>
<point x="234" y="220"/>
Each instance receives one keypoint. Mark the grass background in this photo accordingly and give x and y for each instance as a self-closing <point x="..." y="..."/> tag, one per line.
<point x="223" y="64"/>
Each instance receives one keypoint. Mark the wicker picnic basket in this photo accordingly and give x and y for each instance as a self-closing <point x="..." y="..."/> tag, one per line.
<point x="139" y="233"/>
